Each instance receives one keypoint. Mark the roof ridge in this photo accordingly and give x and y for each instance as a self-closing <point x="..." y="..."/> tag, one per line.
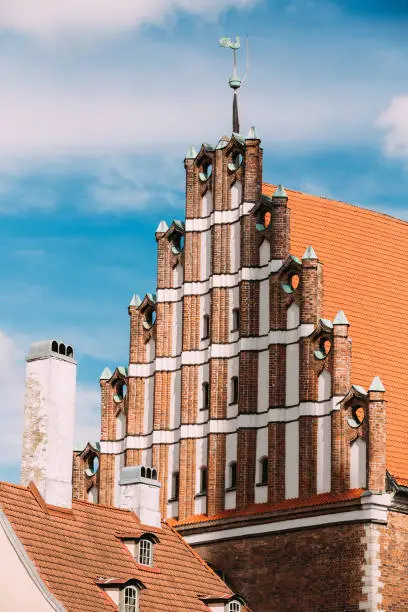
<point x="358" y="206"/>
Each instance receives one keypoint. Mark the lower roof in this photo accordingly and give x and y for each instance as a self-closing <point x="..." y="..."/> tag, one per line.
<point x="364" y="274"/>
<point x="76" y="551"/>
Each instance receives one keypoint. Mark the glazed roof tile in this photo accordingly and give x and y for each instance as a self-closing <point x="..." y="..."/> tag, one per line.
<point x="363" y="254"/>
<point x="72" y="550"/>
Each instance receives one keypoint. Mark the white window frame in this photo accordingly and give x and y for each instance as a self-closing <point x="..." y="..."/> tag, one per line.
<point x="129" y="599"/>
<point x="145" y="552"/>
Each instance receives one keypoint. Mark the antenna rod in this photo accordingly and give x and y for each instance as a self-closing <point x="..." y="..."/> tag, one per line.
<point x="234" y="81"/>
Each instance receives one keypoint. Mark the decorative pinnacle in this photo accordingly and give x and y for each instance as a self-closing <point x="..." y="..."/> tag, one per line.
<point x="252" y="134"/>
<point x="106" y="374"/>
<point x="135" y="301"/>
<point x="280" y="192"/>
<point x="340" y="319"/>
<point x="162" y="227"/>
<point x="235" y="81"/>
<point x="309" y="253"/>
<point x="191" y="153"/>
<point x="377" y="385"/>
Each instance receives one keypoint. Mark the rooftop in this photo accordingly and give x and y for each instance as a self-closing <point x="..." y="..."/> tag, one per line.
<point x="364" y="274"/>
<point x="76" y="551"/>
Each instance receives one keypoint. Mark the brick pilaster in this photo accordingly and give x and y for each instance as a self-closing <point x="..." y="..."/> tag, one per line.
<point x="216" y="473"/>
<point x="246" y="467"/>
<point x="376" y="457"/>
<point x="187" y="477"/>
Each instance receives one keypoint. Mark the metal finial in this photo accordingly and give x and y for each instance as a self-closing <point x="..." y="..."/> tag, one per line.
<point x="235" y="81"/>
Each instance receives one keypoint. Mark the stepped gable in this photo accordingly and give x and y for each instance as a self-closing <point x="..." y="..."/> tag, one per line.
<point x="74" y="549"/>
<point x="364" y="257"/>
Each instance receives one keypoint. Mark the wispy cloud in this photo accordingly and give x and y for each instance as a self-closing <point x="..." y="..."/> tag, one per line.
<point x="394" y="120"/>
<point x="44" y="18"/>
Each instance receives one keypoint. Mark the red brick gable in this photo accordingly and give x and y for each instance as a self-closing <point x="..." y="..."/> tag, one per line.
<point x="73" y="550"/>
<point x="364" y="256"/>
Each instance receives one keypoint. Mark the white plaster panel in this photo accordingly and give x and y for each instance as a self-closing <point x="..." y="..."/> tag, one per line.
<point x="178" y="328"/>
<point x="264" y="307"/>
<point x="175" y="399"/>
<point x="324" y="386"/>
<point x="292" y="460"/>
<point x="49" y="415"/>
<point x="263" y="381"/>
<point x="261" y="493"/>
<point x="92" y="495"/>
<point x="235" y="246"/>
<point x="230" y="501"/>
<point x="200" y="505"/>
<point x="119" y="464"/>
<point x="148" y="405"/>
<point x="203" y="376"/>
<point x="205" y="270"/>
<point x="230" y="455"/>
<point x="236" y="194"/>
<point x="173" y="466"/>
<point x="121" y="425"/>
<point x="169" y="295"/>
<point x="147" y="456"/>
<point x="324" y="454"/>
<point x="358" y="464"/>
<point x="292" y="374"/>
<point x="18" y="589"/>
<point x="178" y="274"/>
<point x="292" y="316"/>
<point x="150" y="350"/>
<point x="207" y="204"/>
<point x="264" y="253"/>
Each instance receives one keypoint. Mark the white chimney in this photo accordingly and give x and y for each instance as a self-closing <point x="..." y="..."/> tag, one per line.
<point x="49" y="413"/>
<point x="140" y="492"/>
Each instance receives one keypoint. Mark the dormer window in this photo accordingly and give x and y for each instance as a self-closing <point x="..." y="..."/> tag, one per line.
<point x="234" y="606"/>
<point x="129" y="600"/>
<point x="145" y="552"/>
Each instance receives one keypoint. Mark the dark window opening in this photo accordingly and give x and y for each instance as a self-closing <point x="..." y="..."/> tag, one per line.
<point x="175" y="486"/>
<point x="235" y="319"/>
<point x="263" y="471"/>
<point x="203" y="480"/>
<point x="206" y="395"/>
<point x="206" y="327"/>
<point x="234" y="390"/>
<point x="232" y="475"/>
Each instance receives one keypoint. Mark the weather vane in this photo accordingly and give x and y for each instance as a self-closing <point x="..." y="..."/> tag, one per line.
<point x="235" y="81"/>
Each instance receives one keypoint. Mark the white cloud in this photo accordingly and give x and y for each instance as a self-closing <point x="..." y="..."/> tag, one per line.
<point x="12" y="380"/>
<point x="51" y="17"/>
<point x="395" y="121"/>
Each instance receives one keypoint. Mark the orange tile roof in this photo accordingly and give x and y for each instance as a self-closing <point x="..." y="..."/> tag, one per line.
<point x="73" y="549"/>
<point x="364" y="255"/>
<point x="286" y="504"/>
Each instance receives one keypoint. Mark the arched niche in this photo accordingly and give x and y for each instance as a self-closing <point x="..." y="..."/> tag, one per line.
<point x="358" y="464"/>
<point x="292" y="316"/>
<point x="324" y="390"/>
<point x="206" y="204"/>
<point x="236" y="194"/>
<point x="264" y="253"/>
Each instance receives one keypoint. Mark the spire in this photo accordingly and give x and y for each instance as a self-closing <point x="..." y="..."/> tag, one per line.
<point x="309" y="253"/>
<point x="340" y="319"/>
<point x="191" y="153"/>
<point x="106" y="374"/>
<point x="235" y="81"/>
<point x="377" y="385"/>
<point x="135" y="301"/>
<point x="280" y="192"/>
<point x="252" y="134"/>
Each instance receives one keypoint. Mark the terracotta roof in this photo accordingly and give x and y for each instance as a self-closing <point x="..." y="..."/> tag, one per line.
<point x="364" y="255"/>
<point x="72" y="550"/>
<point x="286" y="504"/>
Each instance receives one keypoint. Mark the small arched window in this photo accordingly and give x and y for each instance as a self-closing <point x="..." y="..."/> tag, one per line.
<point x="203" y="480"/>
<point x="129" y="599"/>
<point x="232" y="482"/>
<point x="263" y="471"/>
<point x="235" y="319"/>
<point x="145" y="552"/>
<point x="234" y="390"/>
<point x="206" y="327"/>
<point x="234" y="606"/>
<point x="61" y="349"/>
<point x="54" y="346"/>
<point x="175" y="486"/>
<point x="70" y="351"/>
<point x="206" y="395"/>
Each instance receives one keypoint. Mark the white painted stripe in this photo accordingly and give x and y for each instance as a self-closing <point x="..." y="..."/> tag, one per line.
<point x="219" y="351"/>
<point x="378" y="514"/>
<point x="227" y="426"/>
<point x="292" y="460"/>
<point x="217" y="217"/>
<point x="219" y="280"/>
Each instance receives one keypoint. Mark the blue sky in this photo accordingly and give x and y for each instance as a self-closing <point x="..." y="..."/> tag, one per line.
<point x="97" y="108"/>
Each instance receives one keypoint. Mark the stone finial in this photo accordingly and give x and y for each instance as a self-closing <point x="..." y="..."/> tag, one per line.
<point x="191" y="153"/>
<point x="309" y="253"/>
<point x="340" y="319"/>
<point x="280" y="192"/>
<point x="106" y="374"/>
<point x="162" y="227"/>
<point x="252" y="134"/>
<point x="135" y="301"/>
<point x="377" y="385"/>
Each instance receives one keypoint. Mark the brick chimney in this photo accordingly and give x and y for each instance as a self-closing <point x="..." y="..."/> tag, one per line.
<point x="140" y="492"/>
<point x="49" y="412"/>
